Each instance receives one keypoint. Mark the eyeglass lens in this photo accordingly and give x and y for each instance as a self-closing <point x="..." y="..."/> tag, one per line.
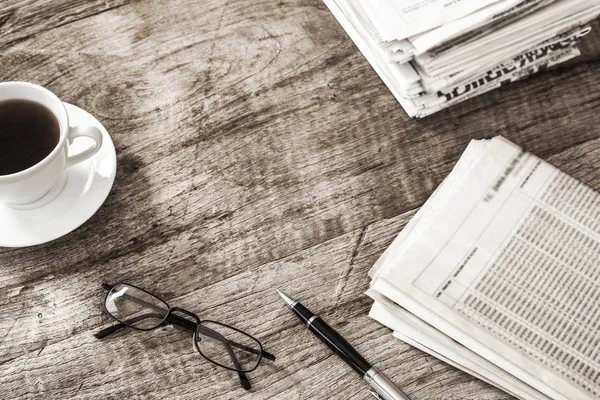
<point x="228" y="347"/>
<point x="135" y="307"/>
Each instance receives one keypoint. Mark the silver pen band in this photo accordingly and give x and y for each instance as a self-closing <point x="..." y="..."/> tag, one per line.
<point x="310" y="321"/>
<point x="383" y="386"/>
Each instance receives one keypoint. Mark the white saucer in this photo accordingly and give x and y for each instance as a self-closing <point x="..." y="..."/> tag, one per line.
<point x="69" y="204"/>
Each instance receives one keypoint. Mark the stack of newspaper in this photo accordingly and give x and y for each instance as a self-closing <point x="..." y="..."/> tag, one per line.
<point x="435" y="53"/>
<point x="498" y="274"/>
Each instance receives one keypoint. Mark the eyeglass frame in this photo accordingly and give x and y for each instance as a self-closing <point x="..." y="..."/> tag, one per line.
<point x="187" y="325"/>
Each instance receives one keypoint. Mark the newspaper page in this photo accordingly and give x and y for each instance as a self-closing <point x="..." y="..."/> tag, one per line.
<point x="419" y="334"/>
<point x="399" y="19"/>
<point x="474" y="26"/>
<point x="441" y="35"/>
<point x="511" y="41"/>
<point x="511" y="272"/>
<point x="517" y="43"/>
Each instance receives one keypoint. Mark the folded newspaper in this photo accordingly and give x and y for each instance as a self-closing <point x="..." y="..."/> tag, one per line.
<point x="498" y="274"/>
<point x="435" y="53"/>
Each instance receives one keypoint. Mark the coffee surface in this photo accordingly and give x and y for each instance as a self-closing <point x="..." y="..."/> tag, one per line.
<point x="28" y="133"/>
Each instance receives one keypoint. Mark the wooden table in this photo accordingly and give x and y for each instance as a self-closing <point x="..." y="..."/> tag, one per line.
<point x="257" y="149"/>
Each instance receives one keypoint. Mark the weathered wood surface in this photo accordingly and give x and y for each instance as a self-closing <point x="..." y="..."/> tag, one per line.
<point x="257" y="150"/>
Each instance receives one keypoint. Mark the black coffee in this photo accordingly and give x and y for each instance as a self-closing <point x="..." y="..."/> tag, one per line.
<point x="28" y="133"/>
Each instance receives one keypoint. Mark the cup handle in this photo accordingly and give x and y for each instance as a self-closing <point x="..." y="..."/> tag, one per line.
<point x="84" y="131"/>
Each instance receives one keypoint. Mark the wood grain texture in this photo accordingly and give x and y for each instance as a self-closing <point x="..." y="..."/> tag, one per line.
<point x="257" y="149"/>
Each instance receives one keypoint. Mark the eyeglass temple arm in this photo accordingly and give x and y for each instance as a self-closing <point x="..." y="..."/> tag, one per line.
<point x="120" y="325"/>
<point x="114" y="328"/>
<point x="108" y="330"/>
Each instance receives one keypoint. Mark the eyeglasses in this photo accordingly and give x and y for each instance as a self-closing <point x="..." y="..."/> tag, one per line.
<point x="221" y="344"/>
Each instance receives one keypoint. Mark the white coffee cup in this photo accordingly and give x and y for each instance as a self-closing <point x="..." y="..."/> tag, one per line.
<point x="29" y="185"/>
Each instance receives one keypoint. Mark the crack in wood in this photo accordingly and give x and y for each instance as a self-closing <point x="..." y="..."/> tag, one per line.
<point x="4" y="18"/>
<point x="342" y="285"/>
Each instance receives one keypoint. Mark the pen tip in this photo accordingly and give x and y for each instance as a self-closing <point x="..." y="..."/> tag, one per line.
<point x="285" y="298"/>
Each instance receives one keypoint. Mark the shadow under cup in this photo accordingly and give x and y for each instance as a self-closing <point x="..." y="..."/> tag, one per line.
<point x="48" y="124"/>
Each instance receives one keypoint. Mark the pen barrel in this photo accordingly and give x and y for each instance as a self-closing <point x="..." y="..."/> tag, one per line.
<point x="339" y="345"/>
<point x="303" y="313"/>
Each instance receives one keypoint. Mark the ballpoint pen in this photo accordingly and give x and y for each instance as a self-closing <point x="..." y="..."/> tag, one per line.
<point x="383" y="388"/>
